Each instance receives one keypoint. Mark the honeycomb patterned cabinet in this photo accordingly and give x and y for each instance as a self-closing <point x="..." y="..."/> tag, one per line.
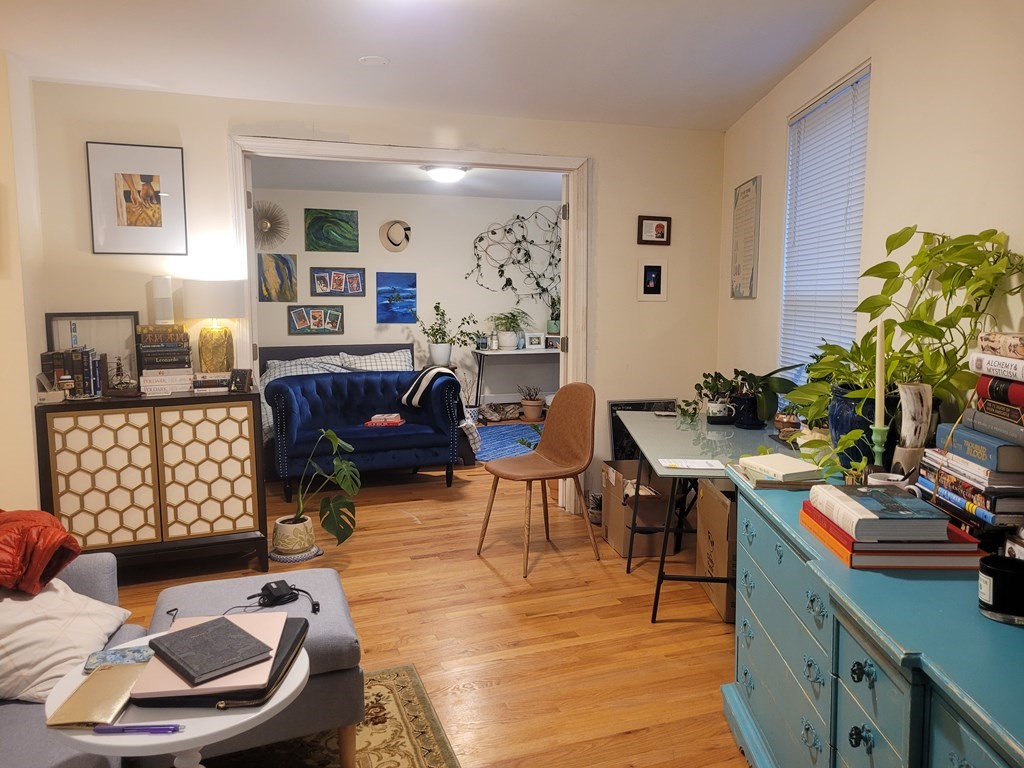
<point x="156" y="477"/>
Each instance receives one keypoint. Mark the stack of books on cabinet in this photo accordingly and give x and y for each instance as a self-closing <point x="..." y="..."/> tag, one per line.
<point x="874" y="527"/>
<point x="165" y="357"/>
<point x="86" y="367"/>
<point x="977" y="471"/>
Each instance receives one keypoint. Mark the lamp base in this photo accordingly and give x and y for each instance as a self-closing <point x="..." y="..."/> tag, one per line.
<point x="216" y="350"/>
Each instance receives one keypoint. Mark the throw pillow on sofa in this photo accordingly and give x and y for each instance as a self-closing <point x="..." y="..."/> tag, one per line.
<point x="44" y="636"/>
<point x="399" y="360"/>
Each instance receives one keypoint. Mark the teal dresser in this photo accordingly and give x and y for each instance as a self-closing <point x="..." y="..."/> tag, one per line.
<point x="864" y="669"/>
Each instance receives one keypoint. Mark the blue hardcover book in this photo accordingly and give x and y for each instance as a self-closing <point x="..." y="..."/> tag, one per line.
<point x="988" y="451"/>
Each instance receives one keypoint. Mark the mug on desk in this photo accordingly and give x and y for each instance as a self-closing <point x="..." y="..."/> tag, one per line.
<point x="721" y="409"/>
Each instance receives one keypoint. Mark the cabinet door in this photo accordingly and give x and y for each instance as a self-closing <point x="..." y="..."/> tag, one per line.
<point x="207" y="468"/>
<point x="102" y="473"/>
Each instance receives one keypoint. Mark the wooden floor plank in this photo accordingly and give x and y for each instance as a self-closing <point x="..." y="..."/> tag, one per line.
<point x="563" y="668"/>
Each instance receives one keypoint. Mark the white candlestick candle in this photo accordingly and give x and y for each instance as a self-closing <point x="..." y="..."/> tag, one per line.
<point x="880" y="374"/>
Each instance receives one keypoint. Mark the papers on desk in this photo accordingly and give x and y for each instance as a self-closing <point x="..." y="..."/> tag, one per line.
<point x="691" y="463"/>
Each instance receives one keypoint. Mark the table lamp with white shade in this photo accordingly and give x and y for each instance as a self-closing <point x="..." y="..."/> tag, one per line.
<point x="214" y="300"/>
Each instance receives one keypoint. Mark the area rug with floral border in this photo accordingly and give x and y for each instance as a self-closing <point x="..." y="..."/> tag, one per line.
<point x="399" y="730"/>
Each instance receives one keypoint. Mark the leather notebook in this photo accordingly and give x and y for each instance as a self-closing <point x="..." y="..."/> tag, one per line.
<point x="99" y="699"/>
<point x="209" y="650"/>
<point x="292" y="638"/>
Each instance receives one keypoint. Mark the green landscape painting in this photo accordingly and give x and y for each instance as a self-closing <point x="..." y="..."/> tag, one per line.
<point x="334" y="231"/>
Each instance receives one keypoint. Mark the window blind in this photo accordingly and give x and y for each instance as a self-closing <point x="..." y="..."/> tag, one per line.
<point x="824" y="213"/>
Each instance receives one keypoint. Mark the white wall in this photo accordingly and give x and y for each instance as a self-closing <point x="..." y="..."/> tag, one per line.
<point x="944" y="146"/>
<point x="635" y="170"/>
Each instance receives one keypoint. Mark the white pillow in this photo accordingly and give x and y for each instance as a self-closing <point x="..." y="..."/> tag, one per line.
<point x="44" y="636"/>
<point x="400" y="360"/>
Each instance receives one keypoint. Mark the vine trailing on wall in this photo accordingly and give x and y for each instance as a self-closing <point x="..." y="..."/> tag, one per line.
<point x="527" y="246"/>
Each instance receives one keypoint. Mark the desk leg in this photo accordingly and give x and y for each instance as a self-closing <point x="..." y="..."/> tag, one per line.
<point x="684" y="486"/>
<point x="636" y="507"/>
<point x="188" y="760"/>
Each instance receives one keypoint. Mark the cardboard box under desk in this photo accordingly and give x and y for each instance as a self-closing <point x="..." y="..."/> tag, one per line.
<point x="617" y="481"/>
<point x="716" y="544"/>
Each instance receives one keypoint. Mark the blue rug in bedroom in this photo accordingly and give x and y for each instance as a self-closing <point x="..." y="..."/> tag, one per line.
<point x="499" y="440"/>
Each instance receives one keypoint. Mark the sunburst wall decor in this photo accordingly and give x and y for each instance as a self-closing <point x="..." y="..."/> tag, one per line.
<point x="270" y="223"/>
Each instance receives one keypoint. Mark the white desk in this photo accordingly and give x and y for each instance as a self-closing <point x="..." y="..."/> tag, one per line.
<point x="671" y="437"/>
<point x="542" y="362"/>
<point x="203" y="726"/>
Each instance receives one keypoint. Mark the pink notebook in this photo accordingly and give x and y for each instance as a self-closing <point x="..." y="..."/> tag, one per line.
<point x="157" y="679"/>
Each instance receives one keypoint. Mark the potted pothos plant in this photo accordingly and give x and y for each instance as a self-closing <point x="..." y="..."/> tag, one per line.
<point x="933" y="307"/>
<point x="758" y="395"/>
<point x="441" y="337"/>
<point x="294" y="534"/>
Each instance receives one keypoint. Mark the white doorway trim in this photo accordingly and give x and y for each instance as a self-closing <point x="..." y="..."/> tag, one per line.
<point x="575" y="232"/>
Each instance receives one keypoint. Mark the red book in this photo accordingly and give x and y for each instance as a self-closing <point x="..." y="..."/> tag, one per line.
<point x="915" y="558"/>
<point x="958" y="541"/>
<point x="384" y="420"/>
<point x="1002" y="390"/>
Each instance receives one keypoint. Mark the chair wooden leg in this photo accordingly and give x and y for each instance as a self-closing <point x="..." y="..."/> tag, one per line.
<point x="487" y="515"/>
<point x="586" y="519"/>
<point x="526" y="526"/>
<point x="544" y="503"/>
<point x="347" y="746"/>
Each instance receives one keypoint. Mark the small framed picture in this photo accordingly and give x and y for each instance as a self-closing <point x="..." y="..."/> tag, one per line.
<point x="654" y="230"/>
<point x="552" y="342"/>
<point x="535" y="341"/>
<point x="652" y="280"/>
<point x="241" y="380"/>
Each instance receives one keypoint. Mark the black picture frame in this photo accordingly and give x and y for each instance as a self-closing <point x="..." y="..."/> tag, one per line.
<point x="240" y="380"/>
<point x="112" y="333"/>
<point x="654" y="230"/>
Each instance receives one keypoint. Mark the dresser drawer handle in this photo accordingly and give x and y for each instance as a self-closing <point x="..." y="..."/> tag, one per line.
<point x="747" y="582"/>
<point x="815" y="605"/>
<point x="861" y="734"/>
<point x="779" y="551"/>
<point x="860" y="670"/>
<point x="812" y="671"/>
<point x="748" y="531"/>
<point x="808" y="735"/>
<point x="748" y="680"/>
<point x="958" y="762"/>
<point x="746" y="631"/>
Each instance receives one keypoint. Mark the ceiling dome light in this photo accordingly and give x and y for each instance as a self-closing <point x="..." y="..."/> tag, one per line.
<point x="444" y="174"/>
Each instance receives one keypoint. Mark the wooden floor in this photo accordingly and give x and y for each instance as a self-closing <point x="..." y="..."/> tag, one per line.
<point x="563" y="668"/>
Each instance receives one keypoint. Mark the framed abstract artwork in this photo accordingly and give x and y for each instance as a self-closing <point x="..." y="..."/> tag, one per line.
<point x="396" y="297"/>
<point x="331" y="230"/>
<point x="137" y="199"/>
<point x="278" y="276"/>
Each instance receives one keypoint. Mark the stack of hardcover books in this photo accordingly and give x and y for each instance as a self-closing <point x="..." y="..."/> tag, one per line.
<point x="165" y="357"/>
<point x="87" y="368"/>
<point x="385" y="420"/>
<point x="874" y="527"/>
<point x="211" y="383"/>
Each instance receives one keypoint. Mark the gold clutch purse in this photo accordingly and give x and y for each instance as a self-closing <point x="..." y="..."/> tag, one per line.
<point x="99" y="699"/>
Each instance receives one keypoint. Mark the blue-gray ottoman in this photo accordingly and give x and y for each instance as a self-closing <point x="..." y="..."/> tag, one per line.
<point x="333" y="696"/>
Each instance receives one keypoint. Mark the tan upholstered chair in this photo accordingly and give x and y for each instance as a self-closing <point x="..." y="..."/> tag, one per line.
<point x="565" y="450"/>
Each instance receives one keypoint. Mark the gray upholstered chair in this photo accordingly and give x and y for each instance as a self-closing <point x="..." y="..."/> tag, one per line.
<point x="333" y="696"/>
<point x="565" y="450"/>
<point x="27" y="743"/>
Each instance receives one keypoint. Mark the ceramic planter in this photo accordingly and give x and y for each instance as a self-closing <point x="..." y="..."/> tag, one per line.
<point x="532" y="409"/>
<point x="290" y="538"/>
<point x="440" y="354"/>
<point x="508" y="340"/>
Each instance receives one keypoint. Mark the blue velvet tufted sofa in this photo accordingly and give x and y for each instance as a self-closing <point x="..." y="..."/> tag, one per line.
<point x="303" y="405"/>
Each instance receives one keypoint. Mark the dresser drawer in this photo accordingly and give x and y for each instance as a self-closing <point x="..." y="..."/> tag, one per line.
<point x="953" y="744"/>
<point x="860" y="741"/>
<point x="877" y="687"/>
<point x="809" y="664"/>
<point x="796" y="733"/>
<point x="786" y="570"/>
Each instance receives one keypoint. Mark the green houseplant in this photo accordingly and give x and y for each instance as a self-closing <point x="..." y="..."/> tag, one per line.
<point x="337" y="512"/>
<point x="509" y="325"/>
<point x="440" y="336"/>
<point x="531" y="402"/>
<point x="716" y="387"/>
<point x="934" y="306"/>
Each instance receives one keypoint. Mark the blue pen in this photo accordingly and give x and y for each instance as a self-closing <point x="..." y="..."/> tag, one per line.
<point x="126" y="729"/>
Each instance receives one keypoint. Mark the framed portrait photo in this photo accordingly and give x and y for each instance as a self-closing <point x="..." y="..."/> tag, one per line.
<point x="535" y="340"/>
<point x="654" y="230"/>
<point x="137" y="199"/>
